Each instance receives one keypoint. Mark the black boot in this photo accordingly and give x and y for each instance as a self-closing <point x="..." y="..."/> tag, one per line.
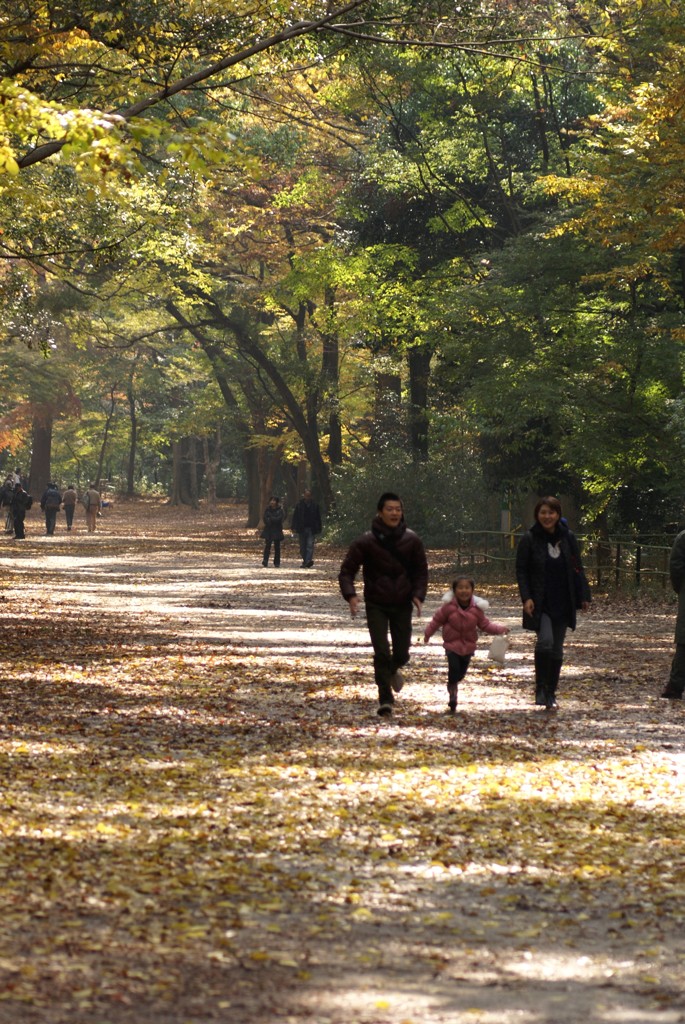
<point x="554" y="673"/>
<point x="542" y="670"/>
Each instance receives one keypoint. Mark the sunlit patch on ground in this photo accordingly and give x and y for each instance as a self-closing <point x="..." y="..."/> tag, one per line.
<point x="204" y="818"/>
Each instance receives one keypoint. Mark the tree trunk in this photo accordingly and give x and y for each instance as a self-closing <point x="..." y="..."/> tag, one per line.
<point x="105" y="437"/>
<point x="41" y="450"/>
<point x="133" y="443"/>
<point x="175" y="497"/>
<point x="211" y="467"/>
<point x="387" y="433"/>
<point x="193" y="489"/>
<point x="419" y="360"/>
<point x="330" y="374"/>
<point x="254" y="506"/>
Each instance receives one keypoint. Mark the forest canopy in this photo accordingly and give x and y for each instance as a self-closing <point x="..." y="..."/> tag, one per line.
<point x="249" y="247"/>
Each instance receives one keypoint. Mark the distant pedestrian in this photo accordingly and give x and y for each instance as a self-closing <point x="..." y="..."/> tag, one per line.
<point x="395" y="574"/>
<point x="69" y="499"/>
<point x="6" y="495"/>
<point x="92" y="503"/>
<point x="306" y="522"/>
<point x="21" y="503"/>
<point x="50" y="504"/>
<point x="676" y="680"/>
<point x="553" y="586"/>
<point x="460" y="619"/>
<point x="274" y="514"/>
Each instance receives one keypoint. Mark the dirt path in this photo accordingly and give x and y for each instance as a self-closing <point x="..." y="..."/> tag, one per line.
<point x="205" y="820"/>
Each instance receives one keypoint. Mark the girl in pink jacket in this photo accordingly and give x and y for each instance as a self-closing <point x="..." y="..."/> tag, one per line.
<point x="460" y="619"/>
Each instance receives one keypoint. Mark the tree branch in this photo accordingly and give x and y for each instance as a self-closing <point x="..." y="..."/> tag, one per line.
<point x="300" y="28"/>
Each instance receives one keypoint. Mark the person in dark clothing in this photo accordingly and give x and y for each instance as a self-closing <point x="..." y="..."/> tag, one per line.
<point x="50" y="504"/>
<point x="552" y="584"/>
<point x="6" y="495"/>
<point x="21" y="503"/>
<point x="676" y="680"/>
<point x="395" y="572"/>
<point x="306" y="522"/>
<point x="274" y="514"/>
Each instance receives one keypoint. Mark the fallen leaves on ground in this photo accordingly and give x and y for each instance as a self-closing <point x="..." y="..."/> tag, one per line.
<point x="203" y="818"/>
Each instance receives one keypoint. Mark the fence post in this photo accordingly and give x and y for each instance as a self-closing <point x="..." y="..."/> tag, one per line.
<point x="618" y="564"/>
<point x="638" y="563"/>
<point x="598" y="560"/>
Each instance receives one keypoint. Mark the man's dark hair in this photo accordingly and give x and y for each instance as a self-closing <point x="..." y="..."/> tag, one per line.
<point x="387" y="496"/>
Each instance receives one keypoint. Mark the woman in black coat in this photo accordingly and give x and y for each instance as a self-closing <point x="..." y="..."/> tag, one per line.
<point x="552" y="584"/>
<point x="274" y="514"/>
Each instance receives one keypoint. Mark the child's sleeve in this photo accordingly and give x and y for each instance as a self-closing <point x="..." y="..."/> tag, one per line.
<point x="493" y="628"/>
<point x="434" y="623"/>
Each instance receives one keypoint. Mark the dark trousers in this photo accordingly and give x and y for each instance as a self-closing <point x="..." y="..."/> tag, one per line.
<point x="18" y="518"/>
<point x="50" y="520"/>
<point x="386" y="658"/>
<point x="549" y="657"/>
<point x="69" y="513"/>
<point x="307" y="545"/>
<point x="551" y="636"/>
<point x="457" y="665"/>
<point x="676" y="680"/>
<point x="267" y="552"/>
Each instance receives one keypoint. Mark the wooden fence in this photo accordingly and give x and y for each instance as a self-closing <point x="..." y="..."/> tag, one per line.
<point x="617" y="562"/>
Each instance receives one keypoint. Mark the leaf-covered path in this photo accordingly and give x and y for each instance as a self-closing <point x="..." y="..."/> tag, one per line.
<point x="203" y="818"/>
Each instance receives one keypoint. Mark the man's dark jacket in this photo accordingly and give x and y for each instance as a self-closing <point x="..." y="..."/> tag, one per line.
<point x="394" y="565"/>
<point x="306" y="515"/>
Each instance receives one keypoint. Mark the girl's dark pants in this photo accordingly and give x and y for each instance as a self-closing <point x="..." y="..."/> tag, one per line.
<point x="457" y="665"/>
<point x="386" y="660"/>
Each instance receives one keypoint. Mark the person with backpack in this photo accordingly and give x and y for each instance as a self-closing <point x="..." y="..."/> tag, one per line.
<point x="21" y="503"/>
<point x="50" y="504"/>
<point x="395" y="572"/>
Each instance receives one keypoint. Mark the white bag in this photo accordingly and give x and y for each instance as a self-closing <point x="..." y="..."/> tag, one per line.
<point x="497" y="651"/>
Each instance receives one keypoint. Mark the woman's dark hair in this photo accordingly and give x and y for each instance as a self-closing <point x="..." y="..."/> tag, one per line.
<point x="387" y="496"/>
<point x="469" y="579"/>
<point x="553" y="503"/>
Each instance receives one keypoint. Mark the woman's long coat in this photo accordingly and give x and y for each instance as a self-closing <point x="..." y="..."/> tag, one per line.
<point x="531" y="558"/>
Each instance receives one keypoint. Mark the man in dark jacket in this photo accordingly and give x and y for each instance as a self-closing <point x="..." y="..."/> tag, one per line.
<point x="21" y="503"/>
<point x="50" y="503"/>
<point x="306" y="522"/>
<point x="676" y="682"/>
<point x="395" y="573"/>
